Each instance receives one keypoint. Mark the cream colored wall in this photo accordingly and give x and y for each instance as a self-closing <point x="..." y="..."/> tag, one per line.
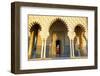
<point x="46" y="21"/>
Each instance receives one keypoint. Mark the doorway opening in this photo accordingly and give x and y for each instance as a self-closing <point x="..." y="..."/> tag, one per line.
<point x="58" y="41"/>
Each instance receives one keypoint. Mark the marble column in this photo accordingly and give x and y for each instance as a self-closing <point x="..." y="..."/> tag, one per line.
<point x="42" y="48"/>
<point x="71" y="52"/>
<point x="44" y="53"/>
<point x="73" y="48"/>
<point x="71" y="35"/>
<point x="73" y="44"/>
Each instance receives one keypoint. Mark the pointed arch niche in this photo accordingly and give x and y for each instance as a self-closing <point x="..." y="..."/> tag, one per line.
<point x="35" y="43"/>
<point x="58" y="41"/>
<point x="80" y="41"/>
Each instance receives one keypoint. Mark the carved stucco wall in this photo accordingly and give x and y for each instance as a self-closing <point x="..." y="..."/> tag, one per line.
<point x="46" y="21"/>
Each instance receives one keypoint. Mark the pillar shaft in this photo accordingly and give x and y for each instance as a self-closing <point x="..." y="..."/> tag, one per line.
<point x="42" y="49"/>
<point x="44" y="53"/>
<point x="71" y="35"/>
<point x="71" y="48"/>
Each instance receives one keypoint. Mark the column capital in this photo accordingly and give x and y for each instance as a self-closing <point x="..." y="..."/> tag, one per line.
<point x="71" y="35"/>
<point x="44" y="35"/>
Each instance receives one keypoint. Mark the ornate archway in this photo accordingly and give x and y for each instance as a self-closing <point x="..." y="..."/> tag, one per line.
<point x="34" y="49"/>
<point x="80" y="41"/>
<point x="58" y="41"/>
